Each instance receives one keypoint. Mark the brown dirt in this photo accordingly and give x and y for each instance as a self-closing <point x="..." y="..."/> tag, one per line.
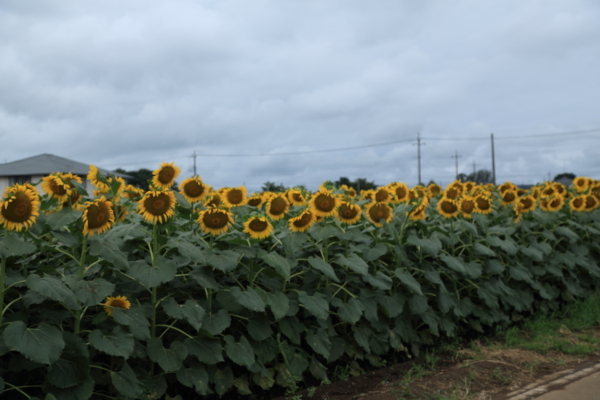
<point x="477" y="373"/>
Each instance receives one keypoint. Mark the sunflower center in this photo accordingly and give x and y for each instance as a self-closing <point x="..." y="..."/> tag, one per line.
<point x="349" y="213"/>
<point x="254" y="202"/>
<point x="449" y="207"/>
<point x="304" y="220"/>
<point x="235" y="196"/>
<point x="216" y="220"/>
<point x="97" y="215"/>
<point x="18" y="210"/>
<point x="157" y="205"/>
<point x="166" y="175"/>
<point x="258" y="225"/>
<point x="483" y="204"/>
<point x="193" y="189"/>
<point x="467" y="206"/>
<point x="324" y="202"/>
<point x="278" y="206"/>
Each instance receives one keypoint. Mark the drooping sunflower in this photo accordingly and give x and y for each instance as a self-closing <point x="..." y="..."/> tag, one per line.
<point x="233" y="197"/>
<point x="215" y="221"/>
<point x="115" y="302"/>
<point x="376" y="212"/>
<point x="525" y="204"/>
<point x="157" y="206"/>
<point x="277" y="207"/>
<point x="400" y="191"/>
<point x="258" y="227"/>
<point x="98" y="216"/>
<point x="595" y="190"/>
<point x="483" y="204"/>
<point x="54" y="186"/>
<point x="552" y="203"/>
<point x="164" y="177"/>
<point x="458" y="185"/>
<point x="469" y="186"/>
<point x="466" y="206"/>
<point x="295" y="197"/>
<point x="96" y="178"/>
<point x="509" y="196"/>
<point x="447" y="208"/>
<point x="507" y="186"/>
<point x="581" y="184"/>
<point x="577" y="203"/>
<point x="348" y="213"/>
<point x="367" y="194"/>
<point x="591" y="202"/>
<point x="418" y="213"/>
<point x="19" y="208"/>
<point x="256" y="200"/>
<point x="324" y="203"/>
<point x="302" y="222"/>
<point x="132" y="192"/>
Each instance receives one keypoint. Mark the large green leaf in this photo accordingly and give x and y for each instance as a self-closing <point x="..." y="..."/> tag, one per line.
<point x="279" y="304"/>
<point x="205" y="279"/>
<point x="566" y="232"/>
<point x="171" y="359"/>
<point x="279" y="263"/>
<point x="293" y="243"/>
<point x="379" y="280"/>
<point x="208" y="351"/>
<point x="454" y="263"/>
<point x="54" y="289"/>
<point x="188" y="250"/>
<point x="216" y="323"/>
<point x="259" y="328"/>
<point x="82" y="391"/>
<point x="196" y="377"/>
<point x="532" y="253"/>
<point x="109" y="250"/>
<point x="350" y="311"/>
<point x="249" y="298"/>
<point x="135" y="319"/>
<point x="354" y="262"/>
<point x="418" y="304"/>
<point x="520" y="273"/>
<point x="62" y="218"/>
<point x="43" y="344"/>
<point x="117" y="343"/>
<point x="431" y="245"/>
<point x="292" y="328"/>
<point x="153" y="275"/>
<point x="73" y="366"/>
<point x="372" y="253"/>
<point x="480" y="249"/>
<point x="320" y="265"/>
<point x="240" y="352"/>
<point x="190" y="311"/>
<point x="223" y="380"/>
<point x="392" y="305"/>
<point x="15" y="245"/>
<point x="89" y="292"/>
<point x="126" y="382"/>
<point x="408" y="280"/>
<point x="317" y="304"/>
<point x="225" y="261"/>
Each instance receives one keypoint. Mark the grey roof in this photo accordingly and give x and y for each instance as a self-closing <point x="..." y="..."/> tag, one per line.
<point x="45" y="164"/>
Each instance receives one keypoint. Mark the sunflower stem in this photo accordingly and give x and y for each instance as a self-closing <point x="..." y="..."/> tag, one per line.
<point x="2" y="276"/>
<point x="82" y="258"/>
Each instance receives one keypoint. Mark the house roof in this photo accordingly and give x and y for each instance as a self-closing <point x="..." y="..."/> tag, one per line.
<point x="45" y="164"/>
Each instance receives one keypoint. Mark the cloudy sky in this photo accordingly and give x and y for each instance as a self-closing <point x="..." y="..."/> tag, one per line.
<point x="296" y="92"/>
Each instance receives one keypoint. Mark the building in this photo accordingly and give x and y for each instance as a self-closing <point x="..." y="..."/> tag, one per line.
<point x="33" y="169"/>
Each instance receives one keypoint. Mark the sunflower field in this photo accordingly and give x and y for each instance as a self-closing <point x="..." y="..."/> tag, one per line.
<point x="126" y="294"/>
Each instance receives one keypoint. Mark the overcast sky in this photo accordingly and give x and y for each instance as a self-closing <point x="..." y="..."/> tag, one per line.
<point x="134" y="83"/>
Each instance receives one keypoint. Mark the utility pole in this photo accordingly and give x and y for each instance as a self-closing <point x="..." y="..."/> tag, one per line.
<point x="419" y="154"/>
<point x="474" y="172"/>
<point x="493" y="163"/>
<point x="194" y="157"/>
<point x="455" y="156"/>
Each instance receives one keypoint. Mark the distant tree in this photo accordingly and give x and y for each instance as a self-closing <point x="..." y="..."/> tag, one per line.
<point x="462" y="177"/>
<point x="480" y="176"/>
<point x="358" y="184"/>
<point x="565" y="175"/>
<point x="431" y="182"/>
<point x="273" y="187"/>
<point x="140" y="178"/>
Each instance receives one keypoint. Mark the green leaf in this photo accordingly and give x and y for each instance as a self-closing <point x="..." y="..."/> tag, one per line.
<point x="43" y="344"/>
<point x="322" y="231"/>
<point x="319" y="342"/>
<point x="532" y="253"/>
<point x="292" y="328"/>
<point x="62" y="218"/>
<point x="373" y="253"/>
<point x="380" y="280"/>
<point x="354" y="262"/>
<point x="216" y="323"/>
<point x="208" y="351"/>
<point x="109" y="250"/>
<point x="242" y="385"/>
<point x="468" y="226"/>
<point x="279" y="304"/>
<point x="362" y="333"/>
<point x="317" y="305"/>
<point x="494" y="266"/>
<point x="259" y="328"/>
<point x="317" y="369"/>
<point x="240" y="352"/>
<point x="320" y="264"/>
<point x="66" y="238"/>
<point x="196" y="377"/>
<point x="293" y="243"/>
<point x="152" y="276"/>
<point x="126" y="382"/>
<point x="135" y="319"/>
<point x="15" y="245"/>
<point x="171" y="359"/>
<point x="392" y="305"/>
<point x="350" y="311"/>
<point x="566" y="232"/>
<point x="188" y="250"/>
<point x="480" y="249"/>
<point x="408" y="280"/>
<point x="89" y="292"/>
<point x="205" y="279"/>
<point x="454" y="263"/>
<point x="431" y="245"/>
<point x="418" y="304"/>
<point x="118" y="343"/>
<point x="223" y="380"/>
<point x="54" y="289"/>
<point x="508" y="245"/>
<point x="265" y="380"/>
<point x="249" y="298"/>
<point x="190" y="311"/>
<point x="279" y="263"/>
<point x="226" y="261"/>
<point x="82" y="391"/>
<point x="520" y="273"/>
<point x="73" y="366"/>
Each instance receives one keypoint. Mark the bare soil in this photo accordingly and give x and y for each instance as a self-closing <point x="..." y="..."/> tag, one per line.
<point x="477" y="373"/>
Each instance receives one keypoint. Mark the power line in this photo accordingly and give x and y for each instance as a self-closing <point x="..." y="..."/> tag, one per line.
<point x="522" y="136"/>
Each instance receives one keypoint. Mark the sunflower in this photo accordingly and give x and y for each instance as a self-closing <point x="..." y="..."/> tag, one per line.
<point x="302" y="222"/>
<point x="400" y="191"/>
<point x="466" y="206"/>
<point x="525" y="204"/>
<point x="54" y="186"/>
<point x="120" y="212"/>
<point x="509" y="196"/>
<point x="258" y="228"/>
<point x="215" y="221"/>
<point x="448" y="208"/>
<point x="418" y="213"/>
<point x="324" y="203"/>
<point x="164" y="177"/>
<point x="553" y="203"/>
<point x="348" y="213"/>
<point x="458" y="185"/>
<point x="157" y="206"/>
<point x="577" y="203"/>
<point x="581" y="184"/>
<point x="213" y="200"/>
<point x="233" y="197"/>
<point x="114" y="302"/>
<point x="351" y="192"/>
<point x="591" y="202"/>
<point x="19" y="209"/>
<point x="367" y="194"/>
<point x="277" y="207"/>
<point x="468" y="186"/>
<point x="413" y="194"/>
<point x="132" y="192"/>
<point x="295" y="197"/>
<point x="452" y="193"/>
<point x="97" y="179"/>
<point x="548" y="191"/>
<point x="98" y="216"/>
<point x="595" y="190"/>
<point x="256" y="200"/>
<point x="382" y="195"/>
<point x="376" y="212"/>
<point x="507" y="186"/>
<point x="434" y="189"/>
<point x="483" y="204"/>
